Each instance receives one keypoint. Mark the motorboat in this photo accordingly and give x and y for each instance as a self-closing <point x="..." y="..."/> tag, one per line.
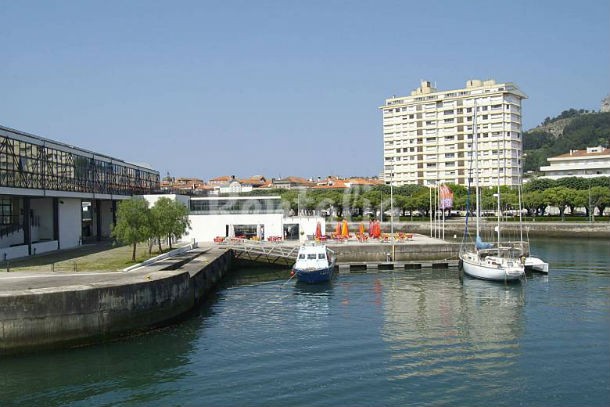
<point x="315" y="263"/>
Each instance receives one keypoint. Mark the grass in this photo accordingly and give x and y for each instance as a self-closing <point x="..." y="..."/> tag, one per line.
<point x="102" y="256"/>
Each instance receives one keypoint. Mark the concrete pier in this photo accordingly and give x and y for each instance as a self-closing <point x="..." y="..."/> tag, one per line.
<point x="41" y="310"/>
<point x="360" y="267"/>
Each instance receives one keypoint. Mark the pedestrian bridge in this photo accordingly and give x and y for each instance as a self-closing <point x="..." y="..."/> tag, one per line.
<point x="280" y="253"/>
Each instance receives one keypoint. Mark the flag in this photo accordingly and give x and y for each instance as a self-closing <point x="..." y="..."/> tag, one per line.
<point x="446" y="197"/>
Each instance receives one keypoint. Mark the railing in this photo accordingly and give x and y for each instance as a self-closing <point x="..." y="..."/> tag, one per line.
<point x="270" y="252"/>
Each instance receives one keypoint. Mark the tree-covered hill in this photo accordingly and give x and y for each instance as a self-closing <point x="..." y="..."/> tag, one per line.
<point x="571" y="130"/>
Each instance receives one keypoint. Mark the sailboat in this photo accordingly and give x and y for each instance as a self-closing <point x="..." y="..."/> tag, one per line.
<point x="483" y="260"/>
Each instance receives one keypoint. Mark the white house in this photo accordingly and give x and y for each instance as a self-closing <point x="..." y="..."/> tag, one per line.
<point x="589" y="163"/>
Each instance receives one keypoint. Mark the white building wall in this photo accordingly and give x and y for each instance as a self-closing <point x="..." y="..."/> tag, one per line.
<point x="70" y="223"/>
<point x="582" y="166"/>
<point x="204" y="228"/>
<point x="307" y="225"/>
<point x="12" y="239"/>
<point x="105" y="211"/>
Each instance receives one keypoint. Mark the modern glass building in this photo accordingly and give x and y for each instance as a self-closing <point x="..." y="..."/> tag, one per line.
<point x="53" y="195"/>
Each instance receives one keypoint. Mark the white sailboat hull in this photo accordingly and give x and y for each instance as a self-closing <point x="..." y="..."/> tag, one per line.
<point x="491" y="267"/>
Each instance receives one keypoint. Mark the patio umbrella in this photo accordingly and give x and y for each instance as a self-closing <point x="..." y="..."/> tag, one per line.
<point x="344" y="230"/>
<point x="376" y="229"/>
<point x="338" y="229"/>
<point x="362" y="229"/>
<point x="318" y="230"/>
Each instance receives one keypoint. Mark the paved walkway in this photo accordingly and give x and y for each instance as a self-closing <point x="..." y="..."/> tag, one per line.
<point x="31" y="274"/>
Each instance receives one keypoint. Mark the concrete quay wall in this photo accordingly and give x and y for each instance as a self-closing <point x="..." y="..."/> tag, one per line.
<point x="407" y="251"/>
<point x="82" y="313"/>
<point x="594" y="230"/>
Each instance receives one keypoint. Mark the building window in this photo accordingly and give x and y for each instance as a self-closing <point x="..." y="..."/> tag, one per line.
<point x="6" y="211"/>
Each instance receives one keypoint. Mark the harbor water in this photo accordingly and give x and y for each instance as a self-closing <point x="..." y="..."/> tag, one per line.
<point x="416" y="337"/>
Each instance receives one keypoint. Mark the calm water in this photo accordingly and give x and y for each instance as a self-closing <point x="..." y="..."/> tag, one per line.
<point x="366" y="339"/>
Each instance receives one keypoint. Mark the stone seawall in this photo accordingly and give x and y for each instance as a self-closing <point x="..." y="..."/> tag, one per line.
<point x="80" y="312"/>
<point x="595" y="230"/>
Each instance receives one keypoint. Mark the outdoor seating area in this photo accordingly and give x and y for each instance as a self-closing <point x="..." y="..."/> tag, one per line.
<point x="374" y="234"/>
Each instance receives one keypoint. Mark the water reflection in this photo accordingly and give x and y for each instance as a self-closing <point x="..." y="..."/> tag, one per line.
<point x="491" y="311"/>
<point x="312" y="303"/>
<point x="435" y="326"/>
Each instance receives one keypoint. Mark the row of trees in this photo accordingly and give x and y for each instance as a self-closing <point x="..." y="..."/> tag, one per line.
<point x="168" y="219"/>
<point x="536" y="196"/>
<point x="137" y="223"/>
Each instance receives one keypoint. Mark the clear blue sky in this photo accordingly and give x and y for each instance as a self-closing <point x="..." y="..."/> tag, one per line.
<point x="202" y="88"/>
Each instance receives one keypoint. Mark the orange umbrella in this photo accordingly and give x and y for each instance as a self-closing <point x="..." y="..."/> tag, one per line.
<point x="318" y="230"/>
<point x="362" y="229"/>
<point x="376" y="229"/>
<point x="338" y="229"/>
<point x="344" y="230"/>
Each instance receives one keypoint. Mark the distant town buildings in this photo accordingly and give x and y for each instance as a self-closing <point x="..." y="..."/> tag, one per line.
<point x="428" y="136"/>
<point x="231" y="185"/>
<point x="589" y="163"/>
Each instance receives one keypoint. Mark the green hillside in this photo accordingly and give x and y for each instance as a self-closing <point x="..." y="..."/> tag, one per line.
<point x="571" y="130"/>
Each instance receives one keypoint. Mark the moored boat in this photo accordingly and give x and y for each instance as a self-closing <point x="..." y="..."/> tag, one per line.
<point x="535" y="264"/>
<point x="315" y="264"/>
<point x="482" y="260"/>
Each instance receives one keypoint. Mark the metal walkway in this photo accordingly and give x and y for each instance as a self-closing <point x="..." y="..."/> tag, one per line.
<point x="259" y="251"/>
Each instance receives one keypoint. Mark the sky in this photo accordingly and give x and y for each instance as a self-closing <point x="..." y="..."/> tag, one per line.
<point x="279" y="88"/>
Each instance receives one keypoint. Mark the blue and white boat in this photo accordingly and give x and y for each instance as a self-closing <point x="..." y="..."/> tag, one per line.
<point x="315" y="264"/>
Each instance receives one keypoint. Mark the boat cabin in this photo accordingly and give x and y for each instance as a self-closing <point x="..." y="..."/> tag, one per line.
<point x="313" y="257"/>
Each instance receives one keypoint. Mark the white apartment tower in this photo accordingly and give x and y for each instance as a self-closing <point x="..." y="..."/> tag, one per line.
<point x="428" y="136"/>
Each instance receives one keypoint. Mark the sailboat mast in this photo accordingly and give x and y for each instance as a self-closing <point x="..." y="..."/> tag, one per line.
<point x="476" y="166"/>
<point x="520" y="211"/>
<point x="499" y="206"/>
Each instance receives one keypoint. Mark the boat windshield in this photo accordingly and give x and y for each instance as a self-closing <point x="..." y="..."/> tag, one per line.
<point x="321" y="256"/>
<point x="311" y="256"/>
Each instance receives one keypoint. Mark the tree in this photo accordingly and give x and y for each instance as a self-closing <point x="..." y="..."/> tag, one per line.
<point x="133" y="223"/>
<point x="421" y="201"/>
<point x="559" y="197"/>
<point x="539" y="184"/>
<point x="600" y="198"/>
<point x="573" y="182"/>
<point x="169" y="218"/>
<point x="581" y="200"/>
<point x="534" y="202"/>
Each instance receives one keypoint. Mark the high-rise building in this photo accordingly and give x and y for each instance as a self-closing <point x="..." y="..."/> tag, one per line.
<point x="428" y="136"/>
